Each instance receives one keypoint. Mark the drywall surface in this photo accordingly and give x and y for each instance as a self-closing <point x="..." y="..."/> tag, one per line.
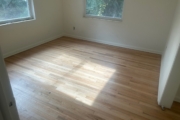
<point x="47" y="26"/>
<point x="169" y="78"/>
<point x="177" y="98"/>
<point x="145" y="25"/>
<point x="1" y="117"/>
<point x="6" y="94"/>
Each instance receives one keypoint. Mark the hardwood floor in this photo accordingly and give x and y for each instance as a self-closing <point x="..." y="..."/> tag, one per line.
<point x="70" y="79"/>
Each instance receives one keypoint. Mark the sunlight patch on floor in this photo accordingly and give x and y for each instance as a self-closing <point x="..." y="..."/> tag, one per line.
<point x="94" y="75"/>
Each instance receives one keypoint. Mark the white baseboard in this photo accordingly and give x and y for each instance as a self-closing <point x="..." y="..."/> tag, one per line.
<point x="31" y="46"/>
<point x="177" y="99"/>
<point x="78" y="37"/>
<point x="114" y="44"/>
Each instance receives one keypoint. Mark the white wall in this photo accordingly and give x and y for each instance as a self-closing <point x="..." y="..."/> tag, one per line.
<point x="1" y="117"/>
<point x="6" y="94"/>
<point x="47" y="26"/>
<point x="170" y="77"/>
<point x="177" y="98"/>
<point x="145" y="26"/>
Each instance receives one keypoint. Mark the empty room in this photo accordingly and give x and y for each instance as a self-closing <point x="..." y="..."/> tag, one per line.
<point x="89" y="59"/>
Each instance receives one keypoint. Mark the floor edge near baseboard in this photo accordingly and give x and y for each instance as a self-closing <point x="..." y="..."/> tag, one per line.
<point x="31" y="46"/>
<point x="114" y="44"/>
<point x="77" y="37"/>
<point x="177" y="99"/>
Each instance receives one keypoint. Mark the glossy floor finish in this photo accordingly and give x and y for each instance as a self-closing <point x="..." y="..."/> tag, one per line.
<point x="70" y="79"/>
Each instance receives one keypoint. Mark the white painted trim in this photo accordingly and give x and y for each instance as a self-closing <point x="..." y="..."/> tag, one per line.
<point x="24" y="19"/>
<point x="114" y="44"/>
<point x="177" y="99"/>
<point x="1" y="117"/>
<point x="9" y="112"/>
<point x="31" y="46"/>
<point x="78" y="37"/>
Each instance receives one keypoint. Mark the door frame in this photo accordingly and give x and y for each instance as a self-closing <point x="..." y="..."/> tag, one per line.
<point x="7" y="101"/>
<point x="1" y="117"/>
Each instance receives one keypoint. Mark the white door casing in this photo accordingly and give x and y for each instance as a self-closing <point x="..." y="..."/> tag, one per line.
<point x="7" y="101"/>
<point x="1" y="117"/>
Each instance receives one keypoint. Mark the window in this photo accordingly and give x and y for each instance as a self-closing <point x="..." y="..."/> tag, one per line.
<point x="104" y="8"/>
<point x="15" y="11"/>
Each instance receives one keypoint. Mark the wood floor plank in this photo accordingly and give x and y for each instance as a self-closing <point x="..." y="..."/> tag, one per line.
<point x="71" y="79"/>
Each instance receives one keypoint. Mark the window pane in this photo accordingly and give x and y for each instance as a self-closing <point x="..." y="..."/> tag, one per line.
<point x="105" y="8"/>
<point x="13" y="9"/>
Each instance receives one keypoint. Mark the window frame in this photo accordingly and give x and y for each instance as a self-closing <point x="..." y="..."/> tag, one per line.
<point x="24" y="19"/>
<point x="102" y="17"/>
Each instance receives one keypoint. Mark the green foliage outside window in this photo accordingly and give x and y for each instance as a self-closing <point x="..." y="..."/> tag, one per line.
<point x="105" y="8"/>
<point x="13" y="9"/>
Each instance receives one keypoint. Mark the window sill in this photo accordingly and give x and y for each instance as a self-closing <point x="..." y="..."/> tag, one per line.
<point x="103" y="18"/>
<point x="16" y="22"/>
